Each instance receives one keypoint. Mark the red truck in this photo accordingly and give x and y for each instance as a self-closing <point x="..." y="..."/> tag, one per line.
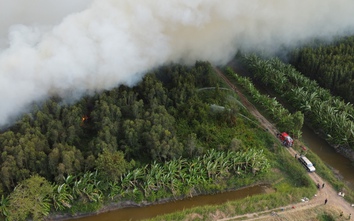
<point x="286" y="139"/>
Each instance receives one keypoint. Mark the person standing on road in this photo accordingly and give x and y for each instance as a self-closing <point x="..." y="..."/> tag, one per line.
<point x="323" y="185"/>
<point x="326" y="201"/>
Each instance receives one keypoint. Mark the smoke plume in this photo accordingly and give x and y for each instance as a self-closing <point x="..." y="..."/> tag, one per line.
<point x="73" y="49"/>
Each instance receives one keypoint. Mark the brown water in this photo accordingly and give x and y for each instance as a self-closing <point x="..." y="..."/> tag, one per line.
<point x="139" y="213"/>
<point x="329" y="156"/>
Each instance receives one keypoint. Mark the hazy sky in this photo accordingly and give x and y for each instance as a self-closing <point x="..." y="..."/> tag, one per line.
<point x="73" y="47"/>
<point x="35" y="12"/>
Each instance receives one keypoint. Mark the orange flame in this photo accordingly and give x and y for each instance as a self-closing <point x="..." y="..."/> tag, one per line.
<point x="84" y="118"/>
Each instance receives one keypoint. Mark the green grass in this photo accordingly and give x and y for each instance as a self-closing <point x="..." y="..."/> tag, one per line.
<point x="325" y="217"/>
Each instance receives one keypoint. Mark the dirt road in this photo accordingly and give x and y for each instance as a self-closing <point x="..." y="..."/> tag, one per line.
<point x="335" y="202"/>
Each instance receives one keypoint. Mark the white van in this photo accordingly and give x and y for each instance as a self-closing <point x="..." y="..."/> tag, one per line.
<point x="307" y="164"/>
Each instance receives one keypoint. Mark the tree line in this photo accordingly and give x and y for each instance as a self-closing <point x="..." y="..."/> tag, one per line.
<point x="331" y="65"/>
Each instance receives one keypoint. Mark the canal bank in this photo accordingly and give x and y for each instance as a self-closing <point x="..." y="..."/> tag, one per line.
<point x="133" y="211"/>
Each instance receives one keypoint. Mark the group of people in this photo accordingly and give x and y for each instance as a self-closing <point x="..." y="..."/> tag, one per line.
<point x="349" y="217"/>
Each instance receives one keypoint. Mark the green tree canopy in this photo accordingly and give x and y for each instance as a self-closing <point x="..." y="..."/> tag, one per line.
<point x="112" y="164"/>
<point x="30" y="199"/>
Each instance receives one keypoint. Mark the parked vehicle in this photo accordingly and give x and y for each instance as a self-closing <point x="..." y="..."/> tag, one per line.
<point x="286" y="139"/>
<point x="307" y="163"/>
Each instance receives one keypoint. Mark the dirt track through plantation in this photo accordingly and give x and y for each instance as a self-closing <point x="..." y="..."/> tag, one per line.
<point x="335" y="202"/>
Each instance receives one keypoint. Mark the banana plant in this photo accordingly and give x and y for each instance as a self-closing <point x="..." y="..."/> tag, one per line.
<point x="317" y="103"/>
<point x="92" y="193"/>
<point x="61" y="197"/>
<point x="114" y="189"/>
<point x="4" y="204"/>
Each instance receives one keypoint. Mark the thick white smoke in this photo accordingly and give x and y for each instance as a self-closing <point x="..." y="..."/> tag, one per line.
<point x="42" y="13"/>
<point x="114" y="42"/>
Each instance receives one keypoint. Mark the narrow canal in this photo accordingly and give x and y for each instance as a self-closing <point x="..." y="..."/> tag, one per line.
<point x="139" y="213"/>
<point x="340" y="164"/>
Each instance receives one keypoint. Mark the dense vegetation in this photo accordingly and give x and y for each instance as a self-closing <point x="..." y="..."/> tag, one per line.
<point x="291" y="182"/>
<point x="331" y="65"/>
<point x="178" y="133"/>
<point x="162" y="138"/>
<point x="282" y="118"/>
<point x="327" y="114"/>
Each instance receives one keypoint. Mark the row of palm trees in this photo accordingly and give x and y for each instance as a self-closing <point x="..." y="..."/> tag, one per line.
<point x="326" y="113"/>
<point x="281" y="116"/>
